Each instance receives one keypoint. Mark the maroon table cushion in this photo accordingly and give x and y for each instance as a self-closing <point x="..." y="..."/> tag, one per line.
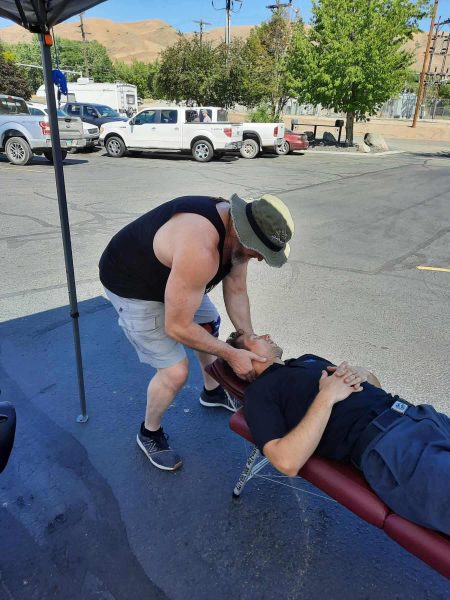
<point x="430" y="546"/>
<point x="223" y="373"/>
<point x="341" y="482"/>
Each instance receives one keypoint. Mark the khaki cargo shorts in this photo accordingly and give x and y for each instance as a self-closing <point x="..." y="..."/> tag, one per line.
<point x="143" y="323"/>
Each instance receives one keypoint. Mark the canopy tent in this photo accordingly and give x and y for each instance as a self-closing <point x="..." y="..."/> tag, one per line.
<point x="39" y="16"/>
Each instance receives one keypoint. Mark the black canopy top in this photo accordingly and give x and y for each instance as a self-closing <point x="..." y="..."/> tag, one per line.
<point x="39" y="16"/>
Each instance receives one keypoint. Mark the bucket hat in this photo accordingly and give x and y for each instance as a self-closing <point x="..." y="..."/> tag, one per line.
<point x="264" y="225"/>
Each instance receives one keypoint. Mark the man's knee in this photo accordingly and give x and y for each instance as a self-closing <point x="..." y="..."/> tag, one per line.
<point x="174" y="377"/>
<point x="212" y="327"/>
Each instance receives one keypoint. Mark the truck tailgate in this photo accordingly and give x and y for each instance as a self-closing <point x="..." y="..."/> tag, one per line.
<point x="70" y="128"/>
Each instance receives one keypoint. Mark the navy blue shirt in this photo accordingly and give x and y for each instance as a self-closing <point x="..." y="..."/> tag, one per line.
<point x="279" y="398"/>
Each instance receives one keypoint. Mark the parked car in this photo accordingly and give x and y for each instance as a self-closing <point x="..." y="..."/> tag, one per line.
<point x="170" y="128"/>
<point x="292" y="141"/>
<point x="257" y="137"/>
<point x="95" y="114"/>
<point x="91" y="133"/>
<point x="23" y="134"/>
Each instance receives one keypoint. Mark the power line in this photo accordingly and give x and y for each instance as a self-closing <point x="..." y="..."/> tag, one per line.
<point x="201" y="22"/>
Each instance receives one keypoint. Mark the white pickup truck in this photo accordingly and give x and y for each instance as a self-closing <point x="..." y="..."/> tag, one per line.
<point x="171" y="128"/>
<point x="23" y="134"/>
<point x="257" y="137"/>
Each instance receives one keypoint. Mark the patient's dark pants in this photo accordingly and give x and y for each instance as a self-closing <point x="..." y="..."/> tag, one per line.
<point x="409" y="467"/>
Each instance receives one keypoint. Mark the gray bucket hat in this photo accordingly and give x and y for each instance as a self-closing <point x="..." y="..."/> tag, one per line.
<point x="264" y="225"/>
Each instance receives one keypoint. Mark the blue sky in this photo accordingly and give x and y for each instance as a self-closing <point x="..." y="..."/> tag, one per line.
<point x="181" y="13"/>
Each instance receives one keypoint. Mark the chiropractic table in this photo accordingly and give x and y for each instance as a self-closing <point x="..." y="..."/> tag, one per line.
<point x="344" y="483"/>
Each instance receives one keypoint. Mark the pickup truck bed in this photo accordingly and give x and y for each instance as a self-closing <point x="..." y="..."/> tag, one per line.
<point x="23" y="134"/>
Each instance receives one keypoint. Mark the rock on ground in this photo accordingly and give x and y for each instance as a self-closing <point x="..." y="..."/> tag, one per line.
<point x="376" y="141"/>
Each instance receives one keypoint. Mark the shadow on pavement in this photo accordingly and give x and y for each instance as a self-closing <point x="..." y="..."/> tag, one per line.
<point x="83" y="514"/>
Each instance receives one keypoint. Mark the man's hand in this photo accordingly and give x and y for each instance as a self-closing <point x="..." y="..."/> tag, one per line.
<point x="352" y="375"/>
<point x="334" y="387"/>
<point x="241" y="363"/>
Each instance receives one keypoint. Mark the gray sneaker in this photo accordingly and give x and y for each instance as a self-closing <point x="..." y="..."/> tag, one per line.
<point x="158" y="451"/>
<point x="220" y="397"/>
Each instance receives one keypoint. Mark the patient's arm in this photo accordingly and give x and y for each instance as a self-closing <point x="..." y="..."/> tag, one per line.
<point x="289" y="453"/>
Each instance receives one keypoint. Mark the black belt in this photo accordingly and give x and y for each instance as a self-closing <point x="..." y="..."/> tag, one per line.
<point x="376" y="427"/>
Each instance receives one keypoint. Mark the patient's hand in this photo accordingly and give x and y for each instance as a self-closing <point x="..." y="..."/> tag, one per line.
<point x="334" y="387"/>
<point x="353" y="375"/>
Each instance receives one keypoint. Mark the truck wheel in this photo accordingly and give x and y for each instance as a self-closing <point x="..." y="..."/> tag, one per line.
<point x="202" y="151"/>
<point x="49" y="155"/>
<point x="18" y="151"/>
<point x="283" y="148"/>
<point x="115" y="147"/>
<point x="249" y="148"/>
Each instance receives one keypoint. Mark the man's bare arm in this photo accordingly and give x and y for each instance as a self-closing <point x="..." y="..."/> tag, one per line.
<point x="192" y="267"/>
<point x="289" y="453"/>
<point x="236" y="299"/>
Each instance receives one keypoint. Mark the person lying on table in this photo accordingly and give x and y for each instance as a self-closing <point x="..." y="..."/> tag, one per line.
<point x="307" y="405"/>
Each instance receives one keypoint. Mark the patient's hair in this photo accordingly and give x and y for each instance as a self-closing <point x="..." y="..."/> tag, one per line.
<point x="235" y="339"/>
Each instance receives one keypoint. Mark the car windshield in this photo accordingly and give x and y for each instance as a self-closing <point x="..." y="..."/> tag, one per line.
<point x="13" y="106"/>
<point x="106" y="111"/>
<point x="60" y="112"/>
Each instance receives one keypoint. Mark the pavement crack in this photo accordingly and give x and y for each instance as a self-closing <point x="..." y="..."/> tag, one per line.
<point x="390" y="264"/>
<point x="29" y="217"/>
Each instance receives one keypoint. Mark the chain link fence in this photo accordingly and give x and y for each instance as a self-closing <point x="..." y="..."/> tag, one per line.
<point x="397" y="108"/>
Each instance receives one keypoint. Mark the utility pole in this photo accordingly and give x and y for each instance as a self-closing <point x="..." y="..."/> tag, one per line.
<point x="84" y="38"/>
<point x="279" y="6"/>
<point x="201" y="22"/>
<point x="229" y="8"/>
<point x="424" y="66"/>
<point x="227" y="22"/>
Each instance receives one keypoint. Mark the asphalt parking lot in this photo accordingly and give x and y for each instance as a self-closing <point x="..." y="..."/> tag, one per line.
<point x="84" y="515"/>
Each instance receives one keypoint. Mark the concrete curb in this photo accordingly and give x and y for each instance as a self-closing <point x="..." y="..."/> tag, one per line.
<point x="360" y="154"/>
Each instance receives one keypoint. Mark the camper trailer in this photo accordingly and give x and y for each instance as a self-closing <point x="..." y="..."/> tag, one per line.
<point x="119" y="96"/>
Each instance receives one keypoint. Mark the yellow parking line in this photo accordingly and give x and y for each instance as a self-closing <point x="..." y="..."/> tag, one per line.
<point x="443" y="269"/>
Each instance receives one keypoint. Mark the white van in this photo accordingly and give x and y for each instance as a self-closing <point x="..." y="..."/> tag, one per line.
<point x="122" y="97"/>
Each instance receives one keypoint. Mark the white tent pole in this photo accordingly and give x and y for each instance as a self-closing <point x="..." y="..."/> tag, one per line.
<point x="45" y="41"/>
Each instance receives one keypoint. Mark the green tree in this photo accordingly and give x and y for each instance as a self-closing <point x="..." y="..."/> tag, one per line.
<point x="444" y="91"/>
<point x="200" y="73"/>
<point x="187" y="72"/>
<point x="138" y="73"/>
<point x="70" y="55"/>
<point x="269" y="81"/>
<point x="13" y="81"/>
<point x="357" y="59"/>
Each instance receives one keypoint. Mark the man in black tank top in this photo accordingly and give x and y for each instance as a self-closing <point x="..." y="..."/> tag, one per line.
<point x="157" y="272"/>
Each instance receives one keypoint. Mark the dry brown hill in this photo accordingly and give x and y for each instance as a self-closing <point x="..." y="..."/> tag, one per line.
<point x="144" y="40"/>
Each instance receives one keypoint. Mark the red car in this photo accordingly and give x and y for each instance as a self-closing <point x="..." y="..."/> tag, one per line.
<point x="292" y="141"/>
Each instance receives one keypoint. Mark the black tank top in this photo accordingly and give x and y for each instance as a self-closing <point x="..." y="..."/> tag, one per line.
<point x="129" y="267"/>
